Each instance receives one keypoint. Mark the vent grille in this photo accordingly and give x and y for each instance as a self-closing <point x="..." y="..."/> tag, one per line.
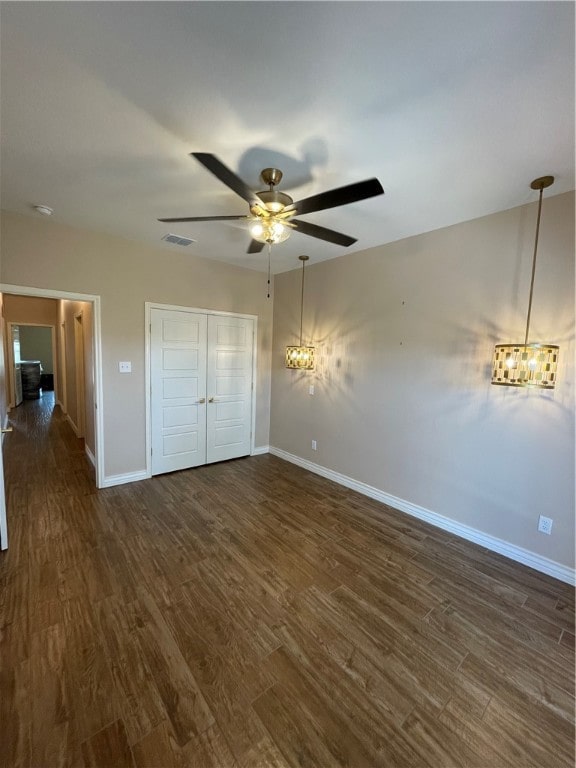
<point x="177" y="240"/>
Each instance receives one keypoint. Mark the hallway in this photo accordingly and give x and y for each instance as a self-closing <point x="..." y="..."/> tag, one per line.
<point x="252" y="614"/>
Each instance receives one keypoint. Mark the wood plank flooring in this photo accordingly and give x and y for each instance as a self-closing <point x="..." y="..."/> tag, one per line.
<point x="253" y="615"/>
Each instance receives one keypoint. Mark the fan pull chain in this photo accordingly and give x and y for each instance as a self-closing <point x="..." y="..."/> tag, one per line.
<point x="269" y="254"/>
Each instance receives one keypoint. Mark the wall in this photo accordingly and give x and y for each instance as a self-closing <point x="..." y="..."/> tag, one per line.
<point x="125" y="274"/>
<point x="36" y="344"/>
<point x="29" y="309"/>
<point x="403" y="400"/>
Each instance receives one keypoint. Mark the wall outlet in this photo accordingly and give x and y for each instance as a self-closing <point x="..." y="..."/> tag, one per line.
<point x="311" y="389"/>
<point x="545" y="524"/>
<point x="314" y="445"/>
<point x="125" y="367"/>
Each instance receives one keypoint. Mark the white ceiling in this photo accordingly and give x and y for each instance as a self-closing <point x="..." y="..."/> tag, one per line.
<point x="454" y="106"/>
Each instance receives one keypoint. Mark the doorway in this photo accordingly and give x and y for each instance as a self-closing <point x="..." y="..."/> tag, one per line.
<point x="95" y="422"/>
<point x="30" y="342"/>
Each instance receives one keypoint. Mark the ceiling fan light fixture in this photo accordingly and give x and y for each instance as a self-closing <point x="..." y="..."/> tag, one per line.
<point x="271" y="231"/>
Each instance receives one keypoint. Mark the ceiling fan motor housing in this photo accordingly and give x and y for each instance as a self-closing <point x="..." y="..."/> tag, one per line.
<point x="274" y="201"/>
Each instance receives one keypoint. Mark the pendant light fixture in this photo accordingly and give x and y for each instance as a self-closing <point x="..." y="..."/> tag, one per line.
<point x="528" y="364"/>
<point x="300" y="357"/>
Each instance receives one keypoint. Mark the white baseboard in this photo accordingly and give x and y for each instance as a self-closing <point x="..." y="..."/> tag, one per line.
<point x="520" y="555"/>
<point x="74" y="427"/>
<point x="90" y="455"/>
<point x="129" y="477"/>
<point x="261" y="449"/>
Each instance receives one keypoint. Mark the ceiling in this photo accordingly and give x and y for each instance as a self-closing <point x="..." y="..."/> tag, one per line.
<point x="454" y="106"/>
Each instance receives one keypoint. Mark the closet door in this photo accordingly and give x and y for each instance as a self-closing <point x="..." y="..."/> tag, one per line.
<point x="229" y="387"/>
<point x="178" y="389"/>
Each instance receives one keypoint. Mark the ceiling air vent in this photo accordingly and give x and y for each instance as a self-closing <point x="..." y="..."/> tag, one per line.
<point x="177" y="240"/>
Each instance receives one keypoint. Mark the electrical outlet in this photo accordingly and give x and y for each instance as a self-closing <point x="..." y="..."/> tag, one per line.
<point x="311" y="389"/>
<point x="545" y="524"/>
<point x="125" y="366"/>
<point x="314" y="447"/>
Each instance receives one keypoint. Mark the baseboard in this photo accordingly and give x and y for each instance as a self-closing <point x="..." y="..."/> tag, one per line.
<point x="74" y="427"/>
<point x="261" y="449"/>
<point x="90" y="455"/>
<point x="518" y="554"/>
<point x="129" y="477"/>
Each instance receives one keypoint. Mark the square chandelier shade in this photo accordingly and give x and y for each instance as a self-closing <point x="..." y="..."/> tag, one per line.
<point x="300" y="357"/>
<point x="525" y="365"/>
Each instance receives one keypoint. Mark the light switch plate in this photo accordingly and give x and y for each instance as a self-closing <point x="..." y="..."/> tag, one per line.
<point x="311" y="389"/>
<point x="125" y="367"/>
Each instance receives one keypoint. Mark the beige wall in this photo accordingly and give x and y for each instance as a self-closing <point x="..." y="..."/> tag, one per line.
<point x="125" y="274"/>
<point x="29" y="309"/>
<point x="403" y="400"/>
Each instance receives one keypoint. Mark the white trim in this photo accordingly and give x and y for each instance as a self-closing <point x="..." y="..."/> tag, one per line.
<point x="63" y="391"/>
<point x="73" y="425"/>
<point x="149" y="305"/>
<point x="90" y="455"/>
<point x="520" y="555"/>
<point x="261" y="449"/>
<point x="49" y="293"/>
<point x="10" y="363"/>
<point x="128" y="477"/>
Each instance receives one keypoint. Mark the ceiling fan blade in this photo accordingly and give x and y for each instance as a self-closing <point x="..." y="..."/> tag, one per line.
<point x="226" y="176"/>
<point x="322" y="233"/>
<point x="207" y="218"/>
<point x="351" y="193"/>
<point x="255" y="247"/>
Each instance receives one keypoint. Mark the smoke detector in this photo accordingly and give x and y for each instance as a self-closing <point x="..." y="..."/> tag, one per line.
<point x="43" y="210"/>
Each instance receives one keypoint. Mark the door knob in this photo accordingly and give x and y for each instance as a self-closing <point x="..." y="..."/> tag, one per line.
<point x="212" y="400"/>
<point x="6" y="429"/>
<point x="202" y="400"/>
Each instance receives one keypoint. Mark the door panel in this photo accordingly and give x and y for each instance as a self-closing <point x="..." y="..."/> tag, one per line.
<point x="229" y="414"/>
<point x="178" y="384"/>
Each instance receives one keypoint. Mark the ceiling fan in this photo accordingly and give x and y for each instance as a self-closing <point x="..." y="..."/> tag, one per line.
<point x="272" y="212"/>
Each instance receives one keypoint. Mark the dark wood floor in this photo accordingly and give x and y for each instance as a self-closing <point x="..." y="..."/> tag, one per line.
<point x="253" y="614"/>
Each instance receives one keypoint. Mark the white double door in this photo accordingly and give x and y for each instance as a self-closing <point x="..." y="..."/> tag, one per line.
<point x="201" y="388"/>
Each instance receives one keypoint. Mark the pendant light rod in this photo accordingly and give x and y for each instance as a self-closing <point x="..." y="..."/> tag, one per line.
<point x="541" y="184"/>
<point x="303" y="259"/>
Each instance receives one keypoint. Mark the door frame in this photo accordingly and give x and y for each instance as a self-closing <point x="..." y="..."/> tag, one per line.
<point x="79" y="360"/>
<point x="149" y="305"/>
<point x="48" y="293"/>
<point x="63" y="390"/>
<point x="11" y="365"/>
